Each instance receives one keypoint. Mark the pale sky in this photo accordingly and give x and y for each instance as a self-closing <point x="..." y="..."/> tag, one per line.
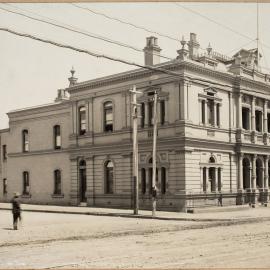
<point x="31" y="72"/>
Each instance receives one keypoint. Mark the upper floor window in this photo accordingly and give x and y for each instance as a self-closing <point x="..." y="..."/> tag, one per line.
<point x="26" y="183"/>
<point x="108" y="116"/>
<point x="25" y="140"/>
<point x="4" y="148"/>
<point x="109" y="177"/>
<point x="57" y="137"/>
<point x="150" y="113"/>
<point x="210" y="112"/>
<point x="268" y="122"/>
<point x="162" y="112"/>
<point x="258" y="121"/>
<point x="82" y="120"/>
<point x="57" y="182"/>
<point x="245" y="118"/>
<point x="142" y="115"/>
<point x="4" y="186"/>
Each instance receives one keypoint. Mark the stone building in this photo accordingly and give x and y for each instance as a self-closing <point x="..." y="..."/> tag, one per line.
<point x="213" y="135"/>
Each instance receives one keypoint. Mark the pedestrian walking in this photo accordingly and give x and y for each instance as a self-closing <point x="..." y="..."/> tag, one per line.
<point x="16" y="210"/>
<point x="220" y="199"/>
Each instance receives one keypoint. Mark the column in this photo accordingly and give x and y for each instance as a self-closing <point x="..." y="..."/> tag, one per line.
<point x="87" y="116"/>
<point x="240" y="111"/>
<point x="73" y="180"/>
<point x="166" y="110"/>
<point x="254" y="171"/>
<point x="158" y="111"/>
<point x="90" y="184"/>
<point x="266" y="184"/>
<point x="184" y="100"/>
<point x="240" y="171"/>
<point x="253" y="126"/>
<point x="216" y="179"/>
<point x="201" y="179"/>
<point x="159" y="179"/>
<point x="206" y="111"/>
<point x="74" y="117"/>
<point x="265" y="126"/>
<point x="147" y="180"/>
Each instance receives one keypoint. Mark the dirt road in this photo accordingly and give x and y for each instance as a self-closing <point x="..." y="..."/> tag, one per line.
<point x="71" y="241"/>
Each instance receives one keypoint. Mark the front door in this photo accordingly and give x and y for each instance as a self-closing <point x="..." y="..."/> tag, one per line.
<point x="82" y="185"/>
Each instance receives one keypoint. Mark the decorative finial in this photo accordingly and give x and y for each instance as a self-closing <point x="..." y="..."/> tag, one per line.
<point x="183" y="42"/>
<point x="72" y="71"/>
<point x="72" y="79"/>
<point x="209" y="49"/>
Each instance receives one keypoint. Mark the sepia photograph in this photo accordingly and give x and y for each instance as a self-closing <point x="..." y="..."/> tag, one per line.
<point x="134" y="135"/>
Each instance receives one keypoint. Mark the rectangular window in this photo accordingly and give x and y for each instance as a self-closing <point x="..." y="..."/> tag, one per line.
<point x="162" y="112"/>
<point x="218" y="115"/>
<point x="26" y="185"/>
<point x="4" y="147"/>
<point x="4" y="186"/>
<point x="245" y="118"/>
<point x="108" y="116"/>
<point x="82" y="120"/>
<point x="57" y="182"/>
<point x="150" y="113"/>
<point x="25" y="138"/>
<point x="142" y="115"/>
<point x="210" y="112"/>
<point x="258" y="119"/>
<point x="203" y="111"/>
<point x="57" y="137"/>
<point x="268" y="122"/>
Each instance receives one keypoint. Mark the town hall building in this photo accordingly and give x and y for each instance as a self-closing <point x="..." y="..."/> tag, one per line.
<point x="213" y="136"/>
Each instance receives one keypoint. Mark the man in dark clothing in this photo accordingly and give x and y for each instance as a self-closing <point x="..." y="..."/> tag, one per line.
<point x="16" y="210"/>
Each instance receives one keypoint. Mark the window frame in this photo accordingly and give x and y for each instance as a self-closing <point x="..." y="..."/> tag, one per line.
<point x="56" y="130"/>
<point x="82" y="122"/>
<point x="25" y="141"/>
<point x="108" y="109"/>
<point x="109" y="177"/>
<point x="26" y="183"/>
<point x="57" y="178"/>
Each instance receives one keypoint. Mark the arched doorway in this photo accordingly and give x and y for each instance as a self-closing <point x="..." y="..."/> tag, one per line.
<point x="109" y="177"/>
<point x="246" y="174"/>
<point x="259" y="173"/>
<point x="82" y="181"/>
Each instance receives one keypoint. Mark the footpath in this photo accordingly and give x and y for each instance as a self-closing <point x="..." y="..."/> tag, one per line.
<point x="226" y="213"/>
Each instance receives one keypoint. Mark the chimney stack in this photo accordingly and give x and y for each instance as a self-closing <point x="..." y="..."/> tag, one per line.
<point x="151" y="51"/>
<point x="193" y="46"/>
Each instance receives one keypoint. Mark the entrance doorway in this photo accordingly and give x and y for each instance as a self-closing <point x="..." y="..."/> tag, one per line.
<point x="82" y="181"/>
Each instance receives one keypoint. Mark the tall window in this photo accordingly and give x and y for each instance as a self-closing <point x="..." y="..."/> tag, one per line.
<point x="142" y="115"/>
<point x="143" y="181"/>
<point x="109" y="177"/>
<point x="108" y="116"/>
<point x="26" y="184"/>
<point x="82" y="120"/>
<point x="150" y="113"/>
<point x="57" y="137"/>
<point x="162" y="112"/>
<point x="57" y="182"/>
<point x="210" y="112"/>
<point x="218" y="114"/>
<point x="163" y="180"/>
<point x="219" y="179"/>
<point x="203" y="112"/>
<point x="204" y="180"/>
<point x="4" y="147"/>
<point x="268" y="122"/>
<point x="245" y="118"/>
<point x="25" y="140"/>
<point x="258" y="119"/>
<point x="4" y="186"/>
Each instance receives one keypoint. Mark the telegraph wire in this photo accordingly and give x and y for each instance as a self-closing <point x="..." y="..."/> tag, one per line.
<point x="77" y="30"/>
<point x="125" y="22"/>
<point x="111" y="58"/>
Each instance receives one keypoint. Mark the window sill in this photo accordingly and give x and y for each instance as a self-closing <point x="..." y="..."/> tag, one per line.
<point x="57" y="196"/>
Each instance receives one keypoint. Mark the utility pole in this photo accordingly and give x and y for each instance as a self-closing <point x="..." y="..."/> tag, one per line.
<point x="154" y="189"/>
<point x="135" y="148"/>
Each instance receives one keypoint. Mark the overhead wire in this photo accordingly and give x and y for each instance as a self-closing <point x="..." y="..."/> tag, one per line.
<point x="76" y="30"/>
<point x="112" y="58"/>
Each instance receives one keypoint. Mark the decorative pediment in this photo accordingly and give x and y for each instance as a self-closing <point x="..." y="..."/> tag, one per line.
<point x="210" y="89"/>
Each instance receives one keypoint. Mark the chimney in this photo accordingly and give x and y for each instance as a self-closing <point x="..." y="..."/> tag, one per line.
<point x="193" y="46"/>
<point x="151" y="51"/>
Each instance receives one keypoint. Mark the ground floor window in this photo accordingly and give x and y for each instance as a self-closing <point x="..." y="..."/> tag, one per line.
<point x="109" y="177"/>
<point x="143" y="181"/>
<point x="57" y="182"/>
<point x="4" y="186"/>
<point x="26" y="183"/>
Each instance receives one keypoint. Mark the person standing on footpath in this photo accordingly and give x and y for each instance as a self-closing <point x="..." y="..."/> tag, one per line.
<point x="16" y="210"/>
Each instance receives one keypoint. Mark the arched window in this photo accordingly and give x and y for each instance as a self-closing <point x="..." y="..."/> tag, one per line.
<point x="143" y="181"/>
<point x="163" y="180"/>
<point x="25" y="140"/>
<point x="57" y="137"/>
<point x="211" y="160"/>
<point x="26" y="183"/>
<point x="109" y="177"/>
<point x="57" y="182"/>
<point x="82" y="120"/>
<point x="108" y="116"/>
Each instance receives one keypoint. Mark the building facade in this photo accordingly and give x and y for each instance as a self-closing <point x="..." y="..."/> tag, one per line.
<point x="213" y="135"/>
